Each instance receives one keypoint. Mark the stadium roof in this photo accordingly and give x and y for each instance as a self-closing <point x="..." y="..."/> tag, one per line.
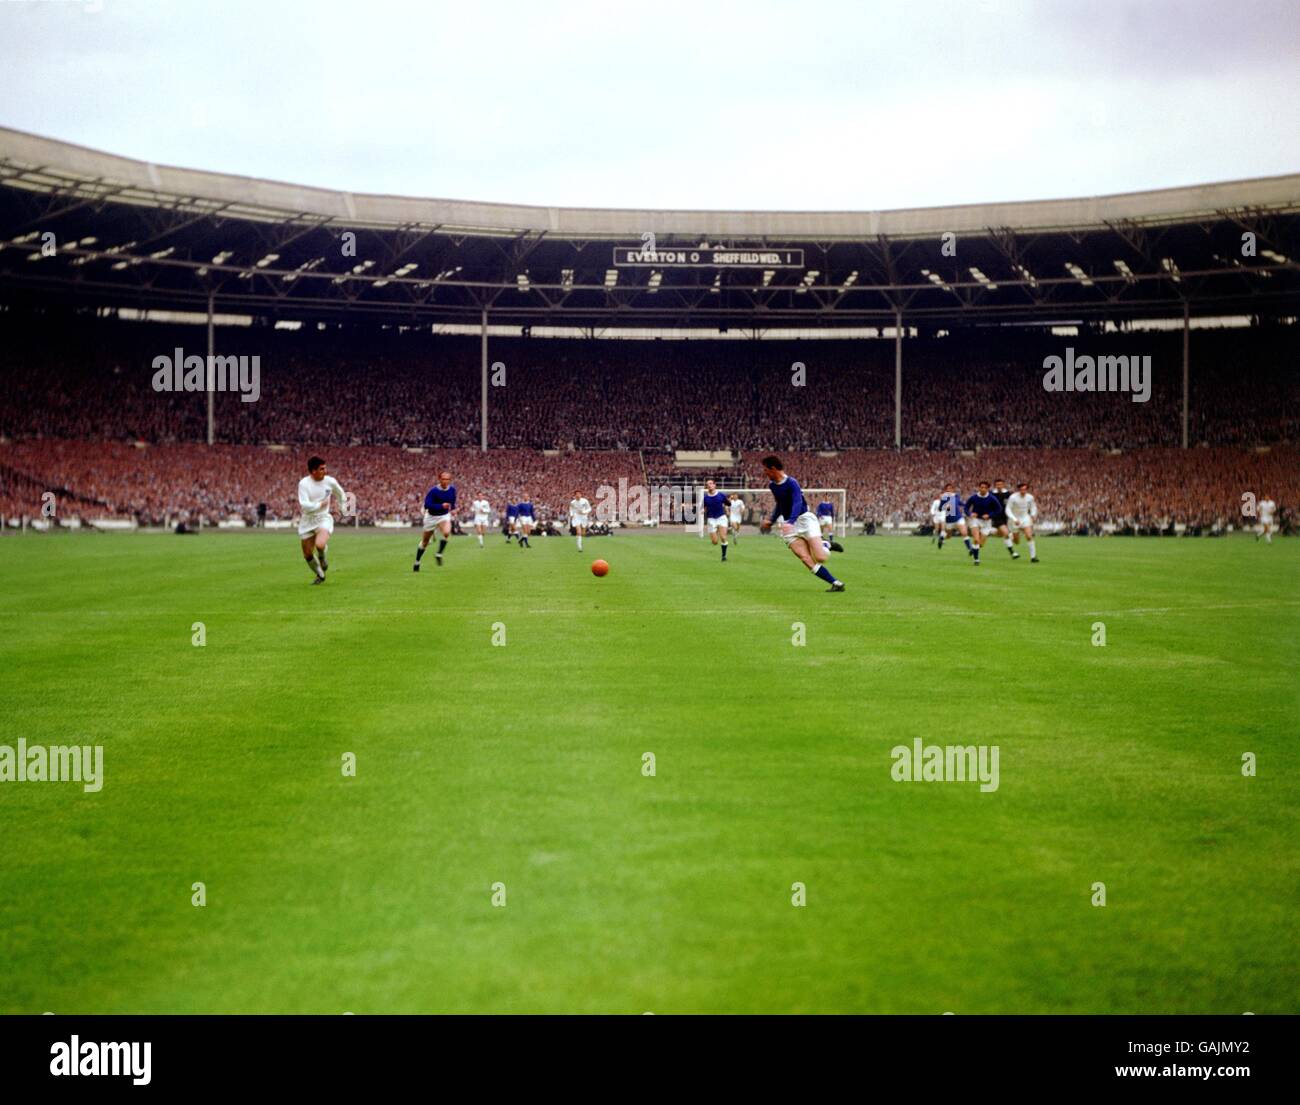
<point x="134" y="234"/>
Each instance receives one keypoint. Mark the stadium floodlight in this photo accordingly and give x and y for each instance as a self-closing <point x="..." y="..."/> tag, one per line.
<point x="1171" y="267"/>
<point x="1078" y="273"/>
<point x="269" y="259"/>
<point x="611" y="277"/>
<point x="1122" y="268"/>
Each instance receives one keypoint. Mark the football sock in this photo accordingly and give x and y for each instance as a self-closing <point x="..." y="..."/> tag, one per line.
<point x="968" y="544"/>
<point x="823" y="572"/>
<point x="941" y="540"/>
<point x="1008" y="542"/>
<point x="480" y="540"/>
<point x="724" y="550"/>
<point x="311" y="563"/>
<point x="579" y="542"/>
<point x="419" y="552"/>
<point x="442" y="544"/>
<point x="1033" y="548"/>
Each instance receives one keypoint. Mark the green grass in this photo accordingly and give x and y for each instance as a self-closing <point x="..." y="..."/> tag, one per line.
<point x="522" y="765"/>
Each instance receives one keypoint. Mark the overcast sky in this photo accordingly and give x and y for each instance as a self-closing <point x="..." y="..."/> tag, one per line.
<point x="795" y="104"/>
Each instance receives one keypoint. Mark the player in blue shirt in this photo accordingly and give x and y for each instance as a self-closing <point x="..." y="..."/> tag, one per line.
<point x="953" y="512"/>
<point x="1001" y="523"/>
<point x="800" y="529"/>
<point x="826" y="516"/>
<point x="982" y="509"/>
<point x="715" y="515"/>
<point x="525" y="519"/>
<point x="511" y="521"/>
<point x="439" y="503"/>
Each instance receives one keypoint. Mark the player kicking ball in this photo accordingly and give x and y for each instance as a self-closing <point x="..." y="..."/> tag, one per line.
<point x="715" y="515"/>
<point x="803" y="534"/>
<point x="1022" y="511"/>
<point x="579" y="515"/>
<point x="439" y="503"/>
<point x="317" y="524"/>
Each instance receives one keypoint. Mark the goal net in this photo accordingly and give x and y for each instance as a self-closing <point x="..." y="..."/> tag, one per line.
<point x="758" y="505"/>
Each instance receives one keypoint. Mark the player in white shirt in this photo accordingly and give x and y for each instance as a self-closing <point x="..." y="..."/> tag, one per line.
<point x="1267" y="526"/>
<point x="737" y="511"/>
<point x="579" y="515"/>
<point x="482" y="517"/>
<point x="936" y="520"/>
<point x="1022" y="513"/>
<point x="316" y="524"/>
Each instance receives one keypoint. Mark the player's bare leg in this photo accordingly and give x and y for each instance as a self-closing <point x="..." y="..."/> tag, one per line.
<point x="309" y="555"/>
<point x="813" y="555"/>
<point x="1029" y="540"/>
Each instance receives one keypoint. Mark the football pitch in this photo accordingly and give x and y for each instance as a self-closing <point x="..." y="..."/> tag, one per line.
<point x="502" y="847"/>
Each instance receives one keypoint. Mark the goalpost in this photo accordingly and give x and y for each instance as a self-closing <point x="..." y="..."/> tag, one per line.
<point x="756" y="495"/>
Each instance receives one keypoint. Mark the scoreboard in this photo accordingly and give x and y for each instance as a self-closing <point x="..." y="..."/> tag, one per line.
<point x="725" y="257"/>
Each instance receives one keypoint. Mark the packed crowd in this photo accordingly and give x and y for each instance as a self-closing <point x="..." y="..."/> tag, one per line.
<point x="409" y="389"/>
<point x="79" y="416"/>
<point x="164" y="484"/>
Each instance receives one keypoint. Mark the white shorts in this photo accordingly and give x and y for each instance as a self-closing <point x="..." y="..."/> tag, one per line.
<point x="937" y="521"/>
<point x="480" y="519"/>
<point x="806" y="525"/>
<point x="1017" y="524"/>
<point x="309" y="525"/>
<point x="984" y="525"/>
<point x="718" y="523"/>
<point x="827" y="521"/>
<point x="578" y="522"/>
<point x="526" y="520"/>
<point x="1266" y="520"/>
<point x="737" y="519"/>
<point x="433" y="521"/>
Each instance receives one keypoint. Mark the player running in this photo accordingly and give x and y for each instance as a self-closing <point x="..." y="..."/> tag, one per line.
<point x="1022" y="510"/>
<point x="982" y="511"/>
<point x="525" y="519"/>
<point x="511" y="522"/>
<point x="316" y="525"/>
<point x="579" y="515"/>
<point x="952" y="515"/>
<point x="439" y="503"/>
<point x="1267" y="526"/>
<point x="715" y="515"/>
<point x="1001" y="492"/>
<point x="482" y="517"/>
<point x="736" y="508"/>
<point x="800" y="529"/>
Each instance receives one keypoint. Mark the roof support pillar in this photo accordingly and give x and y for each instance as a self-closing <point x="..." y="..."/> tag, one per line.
<point x="1186" y="330"/>
<point x="483" y="398"/>
<point x="898" y="377"/>
<point x="211" y="370"/>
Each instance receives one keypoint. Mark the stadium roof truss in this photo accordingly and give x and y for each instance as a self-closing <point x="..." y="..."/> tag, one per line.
<point x="86" y="228"/>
